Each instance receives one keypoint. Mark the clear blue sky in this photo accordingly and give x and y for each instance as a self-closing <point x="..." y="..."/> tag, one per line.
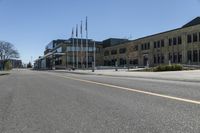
<point x="31" y="24"/>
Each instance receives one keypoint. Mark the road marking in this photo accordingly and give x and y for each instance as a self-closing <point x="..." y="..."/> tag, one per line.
<point x="133" y="90"/>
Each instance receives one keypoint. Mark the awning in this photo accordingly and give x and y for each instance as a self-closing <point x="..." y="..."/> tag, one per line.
<point x="49" y="54"/>
<point x="59" y="53"/>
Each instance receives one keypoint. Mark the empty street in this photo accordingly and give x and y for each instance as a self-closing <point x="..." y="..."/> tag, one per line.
<point x="52" y="102"/>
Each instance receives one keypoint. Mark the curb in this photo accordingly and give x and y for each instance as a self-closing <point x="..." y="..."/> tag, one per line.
<point x="2" y="74"/>
<point x="140" y="77"/>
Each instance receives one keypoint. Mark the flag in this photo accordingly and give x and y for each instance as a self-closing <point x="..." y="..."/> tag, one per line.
<point x="77" y="30"/>
<point x="86" y="24"/>
<point x="81" y="29"/>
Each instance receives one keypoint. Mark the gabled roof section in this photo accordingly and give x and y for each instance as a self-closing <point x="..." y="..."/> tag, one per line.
<point x="195" y="21"/>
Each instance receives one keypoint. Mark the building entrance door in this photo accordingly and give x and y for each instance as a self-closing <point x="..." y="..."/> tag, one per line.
<point x="145" y="60"/>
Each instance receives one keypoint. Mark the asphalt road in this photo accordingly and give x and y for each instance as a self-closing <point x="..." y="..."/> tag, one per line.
<point x="47" y="102"/>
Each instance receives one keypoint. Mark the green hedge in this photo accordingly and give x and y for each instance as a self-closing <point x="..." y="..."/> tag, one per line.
<point x="174" y="67"/>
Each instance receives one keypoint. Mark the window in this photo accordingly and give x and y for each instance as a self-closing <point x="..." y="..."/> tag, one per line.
<point x="158" y="44"/>
<point x="199" y="55"/>
<point x="195" y="56"/>
<point x="148" y="45"/>
<point x="107" y="63"/>
<point x="199" y="36"/>
<point x="90" y="49"/>
<point x="170" y="41"/>
<point x="174" y="41"/>
<point x="135" y="62"/>
<point x="145" y="46"/>
<point x="136" y="48"/>
<point x="122" y="61"/>
<point x="122" y="50"/>
<point x="179" y="57"/>
<point x="189" y="38"/>
<point x="162" y="43"/>
<point x="189" y="56"/>
<point x="70" y="59"/>
<point x="162" y="58"/>
<point x="106" y="53"/>
<point x="155" y="44"/>
<point x="174" y="57"/>
<point x="90" y="59"/>
<point x="113" y="52"/>
<point x="179" y="40"/>
<point x="59" y="50"/>
<point x="195" y="37"/>
<point x="158" y="58"/>
<point x="58" y="61"/>
<point x="142" y="47"/>
<point x="154" y="58"/>
<point x="170" y="57"/>
<point x="98" y="50"/>
<point x="131" y="62"/>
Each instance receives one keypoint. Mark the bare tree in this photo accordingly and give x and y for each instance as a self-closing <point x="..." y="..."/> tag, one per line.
<point x="8" y="51"/>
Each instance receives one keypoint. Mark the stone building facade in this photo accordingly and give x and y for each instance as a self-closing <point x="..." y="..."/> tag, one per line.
<point x="178" y="46"/>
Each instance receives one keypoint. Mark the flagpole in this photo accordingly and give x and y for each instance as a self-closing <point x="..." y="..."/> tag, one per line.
<point x="77" y="46"/>
<point x="81" y="31"/>
<point x="73" y="48"/>
<point x="86" y="28"/>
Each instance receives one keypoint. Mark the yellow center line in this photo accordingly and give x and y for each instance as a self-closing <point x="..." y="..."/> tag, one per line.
<point x="133" y="90"/>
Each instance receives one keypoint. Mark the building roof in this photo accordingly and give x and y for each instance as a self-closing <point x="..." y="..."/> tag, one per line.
<point x="195" y="21"/>
<point x="113" y="41"/>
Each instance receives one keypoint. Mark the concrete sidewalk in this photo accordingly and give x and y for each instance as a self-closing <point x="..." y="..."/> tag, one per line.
<point x="187" y="76"/>
<point x="3" y="73"/>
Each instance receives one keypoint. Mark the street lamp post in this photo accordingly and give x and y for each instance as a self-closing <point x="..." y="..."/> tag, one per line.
<point x="128" y="63"/>
<point x="116" y="66"/>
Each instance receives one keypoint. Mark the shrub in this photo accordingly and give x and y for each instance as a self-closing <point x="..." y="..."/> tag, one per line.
<point x="174" y="67"/>
<point x="178" y="67"/>
<point x="7" y="66"/>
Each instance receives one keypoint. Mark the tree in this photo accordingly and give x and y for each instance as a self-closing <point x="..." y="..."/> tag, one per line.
<point x="7" y="51"/>
<point x="29" y="65"/>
